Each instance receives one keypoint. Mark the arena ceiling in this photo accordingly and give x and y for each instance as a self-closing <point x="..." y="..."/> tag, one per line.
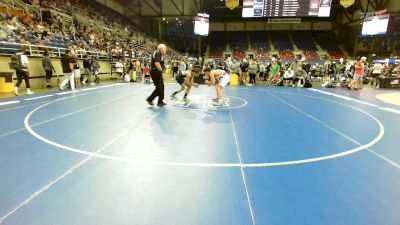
<point x="171" y="9"/>
<point x="162" y="8"/>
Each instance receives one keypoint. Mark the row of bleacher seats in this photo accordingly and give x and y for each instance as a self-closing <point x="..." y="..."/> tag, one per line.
<point x="218" y="41"/>
<point x="326" y="40"/>
<point x="238" y="41"/>
<point x="303" y="41"/>
<point x="281" y="40"/>
<point x="94" y="31"/>
<point x="259" y="41"/>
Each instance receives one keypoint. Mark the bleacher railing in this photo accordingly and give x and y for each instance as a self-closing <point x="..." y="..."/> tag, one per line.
<point x="9" y="48"/>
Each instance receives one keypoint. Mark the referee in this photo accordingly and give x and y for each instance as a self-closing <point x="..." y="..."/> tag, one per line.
<point x="157" y="67"/>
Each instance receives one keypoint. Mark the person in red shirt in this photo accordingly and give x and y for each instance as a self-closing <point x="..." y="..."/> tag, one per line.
<point x="358" y="74"/>
<point x="146" y="72"/>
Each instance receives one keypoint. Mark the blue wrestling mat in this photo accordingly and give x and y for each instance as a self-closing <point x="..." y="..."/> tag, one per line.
<point x="267" y="156"/>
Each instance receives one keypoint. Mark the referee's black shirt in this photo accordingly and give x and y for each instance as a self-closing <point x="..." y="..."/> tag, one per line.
<point x="157" y="57"/>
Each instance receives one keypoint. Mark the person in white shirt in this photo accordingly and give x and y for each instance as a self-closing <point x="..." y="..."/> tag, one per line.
<point x="288" y="77"/>
<point x="119" y="69"/>
<point x="262" y="70"/>
<point x="77" y="72"/>
<point x="22" y="71"/>
<point x="376" y="71"/>
<point x="183" y="67"/>
<point x="218" y="78"/>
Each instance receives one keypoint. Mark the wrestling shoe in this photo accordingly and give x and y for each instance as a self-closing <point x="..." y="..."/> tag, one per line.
<point x="161" y="104"/>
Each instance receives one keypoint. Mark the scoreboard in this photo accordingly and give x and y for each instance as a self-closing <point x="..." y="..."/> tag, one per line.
<point x="286" y="8"/>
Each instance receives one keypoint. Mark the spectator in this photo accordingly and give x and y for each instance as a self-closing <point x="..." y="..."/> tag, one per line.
<point x="262" y="71"/>
<point x="146" y="72"/>
<point x="244" y="71"/>
<point x="119" y="69"/>
<point x="95" y="69"/>
<point x="275" y="71"/>
<point x="67" y="63"/>
<point x="48" y="68"/>
<point x="175" y="69"/>
<point x="377" y="70"/>
<point x="77" y="72"/>
<point x="358" y="73"/>
<point x="253" y="72"/>
<point x="87" y="64"/>
<point x="301" y="76"/>
<point x="21" y="69"/>
<point x="288" y="77"/>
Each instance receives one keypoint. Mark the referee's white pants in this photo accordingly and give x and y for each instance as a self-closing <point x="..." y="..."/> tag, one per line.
<point x="69" y="77"/>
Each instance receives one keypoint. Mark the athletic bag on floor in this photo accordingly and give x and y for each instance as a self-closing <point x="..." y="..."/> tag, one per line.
<point x="307" y="84"/>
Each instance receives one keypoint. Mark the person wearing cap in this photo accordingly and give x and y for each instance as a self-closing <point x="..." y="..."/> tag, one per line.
<point x="67" y="64"/>
<point x="22" y="71"/>
<point x="157" y="68"/>
<point x="187" y="82"/>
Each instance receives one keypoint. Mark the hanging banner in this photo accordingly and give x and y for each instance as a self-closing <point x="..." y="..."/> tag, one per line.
<point x="347" y="3"/>
<point x="232" y="3"/>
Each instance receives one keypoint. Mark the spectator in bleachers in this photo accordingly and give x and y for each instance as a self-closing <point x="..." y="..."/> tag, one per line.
<point x="6" y="29"/>
<point x="396" y="70"/>
<point x="48" y="68"/>
<point x="81" y="37"/>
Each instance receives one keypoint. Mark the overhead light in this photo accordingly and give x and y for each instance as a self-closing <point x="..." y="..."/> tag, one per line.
<point x="176" y="18"/>
<point x="167" y="21"/>
<point x="163" y="18"/>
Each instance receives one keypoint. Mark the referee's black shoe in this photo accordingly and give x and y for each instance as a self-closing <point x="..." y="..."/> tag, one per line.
<point x="149" y="101"/>
<point x="161" y="104"/>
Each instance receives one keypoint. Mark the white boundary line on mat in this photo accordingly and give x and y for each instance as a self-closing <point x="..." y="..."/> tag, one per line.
<point x="194" y="164"/>
<point x="387" y="109"/>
